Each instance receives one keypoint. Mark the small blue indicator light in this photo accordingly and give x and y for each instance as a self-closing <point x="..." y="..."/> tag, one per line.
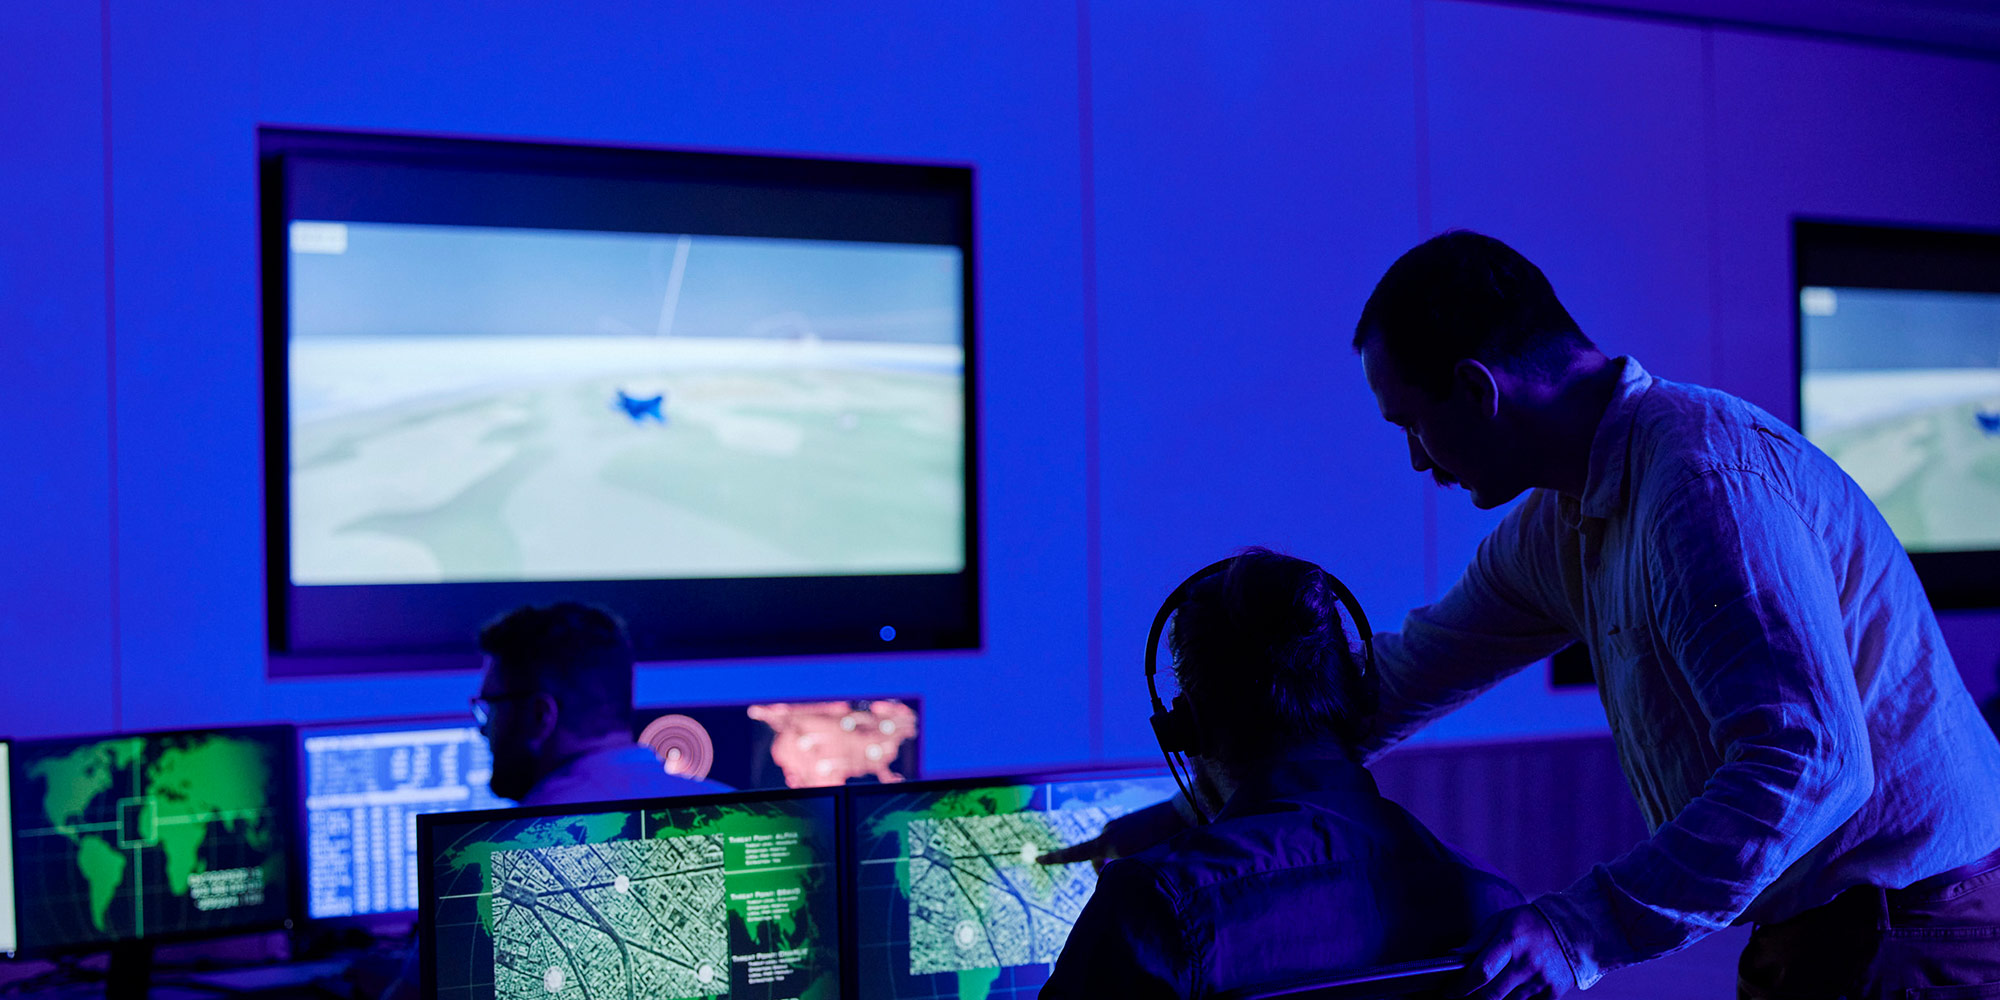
<point x="888" y="633"/>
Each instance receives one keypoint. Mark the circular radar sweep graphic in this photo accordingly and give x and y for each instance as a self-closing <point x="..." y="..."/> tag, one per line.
<point x="683" y="746"/>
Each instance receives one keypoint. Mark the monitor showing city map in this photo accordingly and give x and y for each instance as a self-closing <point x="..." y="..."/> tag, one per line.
<point x="364" y="785"/>
<point x="735" y="895"/>
<point x="950" y="900"/>
<point x="151" y="836"/>
<point x="8" y="939"/>
<point x="1899" y="381"/>
<point x="734" y="389"/>
<point x="787" y="744"/>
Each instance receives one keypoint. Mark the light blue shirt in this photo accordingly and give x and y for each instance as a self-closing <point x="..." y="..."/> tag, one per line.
<point x="1784" y="706"/>
<point x="630" y="771"/>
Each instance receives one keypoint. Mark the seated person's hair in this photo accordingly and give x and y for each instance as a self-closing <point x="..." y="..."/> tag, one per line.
<point x="576" y="653"/>
<point x="1263" y="653"/>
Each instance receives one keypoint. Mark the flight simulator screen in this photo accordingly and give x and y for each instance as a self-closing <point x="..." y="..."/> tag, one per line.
<point x="797" y="744"/>
<point x="364" y="786"/>
<point x="7" y="933"/>
<point x="1902" y="388"/>
<point x="951" y="901"/>
<point x="127" y="837"/>
<point x="732" y="897"/>
<point x="474" y="403"/>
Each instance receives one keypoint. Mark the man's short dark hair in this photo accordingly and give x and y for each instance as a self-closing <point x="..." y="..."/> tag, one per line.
<point x="577" y="653"/>
<point x="1263" y="654"/>
<point x="1462" y="295"/>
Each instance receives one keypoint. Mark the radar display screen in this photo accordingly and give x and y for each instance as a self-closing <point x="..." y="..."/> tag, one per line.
<point x="950" y="898"/>
<point x="731" y="896"/>
<point x="364" y="787"/>
<point x="151" y="835"/>
<point x="797" y="744"/>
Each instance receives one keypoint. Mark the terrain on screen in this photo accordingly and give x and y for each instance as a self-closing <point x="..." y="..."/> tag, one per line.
<point x="480" y="404"/>
<point x="143" y="836"/>
<point x="735" y="900"/>
<point x="951" y="899"/>
<point x="1902" y="388"/>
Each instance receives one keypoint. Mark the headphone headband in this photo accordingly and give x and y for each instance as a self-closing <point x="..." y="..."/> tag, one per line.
<point x="1175" y="728"/>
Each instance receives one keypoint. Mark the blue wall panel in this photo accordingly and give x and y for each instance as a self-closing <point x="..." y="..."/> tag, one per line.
<point x="995" y="87"/>
<point x="1253" y="177"/>
<point x="1831" y="130"/>
<point x="1251" y="170"/>
<point x="56" y="669"/>
<point x="1580" y="141"/>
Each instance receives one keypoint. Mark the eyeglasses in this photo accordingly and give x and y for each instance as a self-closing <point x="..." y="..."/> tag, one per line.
<point x="482" y="705"/>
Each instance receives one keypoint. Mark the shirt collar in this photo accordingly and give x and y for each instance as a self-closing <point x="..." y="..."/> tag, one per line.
<point x="1604" y="483"/>
<point x="1298" y="772"/>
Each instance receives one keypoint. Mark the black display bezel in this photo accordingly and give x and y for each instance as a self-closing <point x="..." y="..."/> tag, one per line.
<point x="319" y="630"/>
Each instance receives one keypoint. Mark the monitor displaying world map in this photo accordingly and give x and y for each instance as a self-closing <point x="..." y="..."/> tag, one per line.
<point x="150" y="835"/>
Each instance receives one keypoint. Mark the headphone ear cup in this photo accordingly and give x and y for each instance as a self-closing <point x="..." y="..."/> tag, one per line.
<point x="1175" y="727"/>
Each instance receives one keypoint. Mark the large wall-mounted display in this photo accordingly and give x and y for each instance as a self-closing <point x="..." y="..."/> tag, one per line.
<point x="1899" y="381"/>
<point x="729" y="397"/>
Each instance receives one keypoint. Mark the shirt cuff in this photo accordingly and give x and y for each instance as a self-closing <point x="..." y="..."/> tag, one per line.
<point x="1576" y="917"/>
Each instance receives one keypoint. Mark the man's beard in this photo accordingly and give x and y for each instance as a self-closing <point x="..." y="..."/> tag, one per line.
<point x="513" y="773"/>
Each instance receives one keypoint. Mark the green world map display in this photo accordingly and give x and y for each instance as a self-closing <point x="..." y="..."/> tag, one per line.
<point x="150" y="835"/>
<point x="731" y="899"/>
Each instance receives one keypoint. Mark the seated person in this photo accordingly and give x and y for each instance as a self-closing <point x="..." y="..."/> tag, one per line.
<point x="1305" y="870"/>
<point x="555" y="705"/>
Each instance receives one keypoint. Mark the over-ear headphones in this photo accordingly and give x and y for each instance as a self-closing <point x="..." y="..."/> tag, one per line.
<point x="1177" y="729"/>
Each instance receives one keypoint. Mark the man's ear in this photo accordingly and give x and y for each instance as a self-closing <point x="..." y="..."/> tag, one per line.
<point x="1479" y="387"/>
<point x="543" y="717"/>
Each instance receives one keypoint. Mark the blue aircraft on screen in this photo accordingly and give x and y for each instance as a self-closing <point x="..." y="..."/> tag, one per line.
<point x="642" y="408"/>
<point x="1989" y="421"/>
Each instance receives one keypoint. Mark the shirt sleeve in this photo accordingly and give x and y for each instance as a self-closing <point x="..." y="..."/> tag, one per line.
<point x="1127" y="942"/>
<point x="1491" y="623"/>
<point x="1746" y="603"/>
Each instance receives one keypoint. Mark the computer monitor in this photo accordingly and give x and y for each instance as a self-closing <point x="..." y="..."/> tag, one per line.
<point x="365" y="784"/>
<point x="1899" y="381"/>
<point x="788" y="744"/>
<point x="731" y="895"/>
<point x="145" y="837"/>
<point x="8" y="938"/>
<point x="728" y="396"/>
<point x="949" y="899"/>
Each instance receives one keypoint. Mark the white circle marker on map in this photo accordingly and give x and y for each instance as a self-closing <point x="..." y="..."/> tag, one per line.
<point x="1029" y="854"/>
<point x="874" y="751"/>
<point x="552" y="980"/>
<point x="622" y="883"/>
<point x="888" y="727"/>
<point x="705" y="973"/>
<point x="966" y="934"/>
<point x="847" y="723"/>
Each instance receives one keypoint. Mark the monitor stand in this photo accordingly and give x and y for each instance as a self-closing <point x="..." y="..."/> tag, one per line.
<point x="131" y="971"/>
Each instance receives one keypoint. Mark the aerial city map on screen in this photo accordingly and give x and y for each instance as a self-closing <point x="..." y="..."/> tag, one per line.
<point x="951" y="901"/>
<point x="735" y="899"/>
<point x="1902" y="388"/>
<point x="475" y="404"/>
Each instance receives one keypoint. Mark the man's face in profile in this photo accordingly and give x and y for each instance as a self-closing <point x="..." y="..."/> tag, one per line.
<point x="508" y="734"/>
<point x="1447" y="437"/>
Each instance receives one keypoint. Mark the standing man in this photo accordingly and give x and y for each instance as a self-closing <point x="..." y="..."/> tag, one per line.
<point x="1801" y="745"/>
